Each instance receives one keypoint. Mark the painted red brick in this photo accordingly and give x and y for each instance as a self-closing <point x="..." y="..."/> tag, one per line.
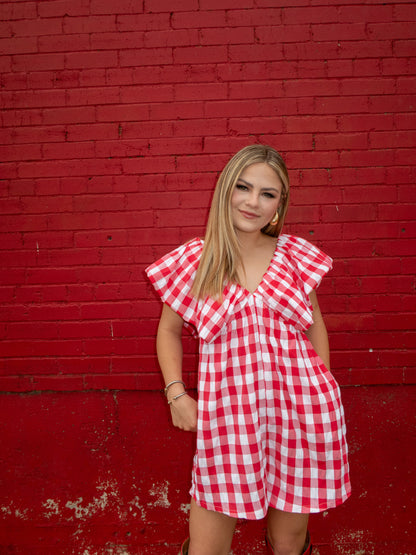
<point x="225" y="4"/>
<point x="200" y="54"/>
<point x="181" y="37"/>
<point x="314" y="14"/>
<point x="190" y="128"/>
<point x="143" y="22"/>
<point x="204" y="91"/>
<point x="369" y="13"/>
<point x="311" y="51"/>
<point x="140" y="57"/>
<point x="18" y="45"/>
<point x="340" y="68"/>
<point x="286" y="33"/>
<point x="33" y="99"/>
<point x="404" y="47"/>
<point x="123" y="6"/>
<point x="89" y="24"/>
<point x="231" y="35"/>
<point x="92" y="59"/>
<point x="180" y="146"/>
<point x="63" y="7"/>
<point x="254" y="17"/>
<point x="116" y="119"/>
<point x="64" y="43"/>
<point x="339" y="31"/>
<point x="10" y="11"/>
<point x="199" y="19"/>
<point x="256" y="52"/>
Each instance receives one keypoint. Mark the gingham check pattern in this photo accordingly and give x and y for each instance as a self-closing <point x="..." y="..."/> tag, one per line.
<point x="271" y="430"/>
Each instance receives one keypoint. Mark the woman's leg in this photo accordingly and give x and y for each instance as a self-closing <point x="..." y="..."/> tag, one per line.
<point x="287" y="531"/>
<point x="211" y="533"/>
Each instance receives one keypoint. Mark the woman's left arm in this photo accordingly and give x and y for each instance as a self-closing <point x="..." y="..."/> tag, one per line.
<point x="317" y="333"/>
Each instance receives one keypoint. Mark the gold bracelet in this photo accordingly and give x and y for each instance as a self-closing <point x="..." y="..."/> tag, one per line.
<point x="176" y="397"/>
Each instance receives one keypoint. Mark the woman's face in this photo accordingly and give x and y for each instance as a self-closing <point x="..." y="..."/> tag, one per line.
<point x="255" y="198"/>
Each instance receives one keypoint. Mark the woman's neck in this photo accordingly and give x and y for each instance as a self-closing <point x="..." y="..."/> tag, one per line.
<point x="250" y="241"/>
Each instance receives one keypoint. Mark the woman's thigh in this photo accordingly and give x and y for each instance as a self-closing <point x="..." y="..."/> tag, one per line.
<point x="287" y="531"/>
<point x="211" y="533"/>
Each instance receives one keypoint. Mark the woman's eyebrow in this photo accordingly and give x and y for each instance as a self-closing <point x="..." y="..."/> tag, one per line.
<point x="263" y="188"/>
<point x="244" y="181"/>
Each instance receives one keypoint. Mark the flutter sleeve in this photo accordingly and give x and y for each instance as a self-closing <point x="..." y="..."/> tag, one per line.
<point x="311" y="264"/>
<point x="172" y="277"/>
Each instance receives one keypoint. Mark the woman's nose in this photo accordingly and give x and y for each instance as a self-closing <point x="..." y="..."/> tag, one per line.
<point x="252" y="199"/>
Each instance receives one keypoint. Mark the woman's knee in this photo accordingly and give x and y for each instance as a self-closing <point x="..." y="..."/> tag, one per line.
<point x="211" y="533"/>
<point x="287" y="532"/>
<point x="287" y="545"/>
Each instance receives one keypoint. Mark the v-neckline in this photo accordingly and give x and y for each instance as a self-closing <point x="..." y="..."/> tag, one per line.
<point x="247" y="291"/>
<point x="241" y="287"/>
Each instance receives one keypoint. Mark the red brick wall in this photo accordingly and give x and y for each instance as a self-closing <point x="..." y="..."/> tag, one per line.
<point x="117" y="116"/>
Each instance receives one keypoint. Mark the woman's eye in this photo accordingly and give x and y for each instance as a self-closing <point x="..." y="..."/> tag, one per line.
<point x="269" y="195"/>
<point x="241" y="187"/>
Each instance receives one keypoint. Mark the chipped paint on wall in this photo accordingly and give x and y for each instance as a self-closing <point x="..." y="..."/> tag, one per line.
<point x="135" y="504"/>
<point x="107" y="550"/>
<point x="126" y="497"/>
<point x="160" y="493"/>
<point x="108" y="498"/>
<point x="6" y="510"/>
<point x="185" y="508"/>
<point x="18" y="513"/>
<point x="53" y="508"/>
<point x="355" y="542"/>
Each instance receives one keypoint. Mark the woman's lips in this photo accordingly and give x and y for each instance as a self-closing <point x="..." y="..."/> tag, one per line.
<point x="248" y="215"/>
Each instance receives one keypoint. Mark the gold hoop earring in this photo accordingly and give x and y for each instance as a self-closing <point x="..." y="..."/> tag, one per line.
<point x="275" y="219"/>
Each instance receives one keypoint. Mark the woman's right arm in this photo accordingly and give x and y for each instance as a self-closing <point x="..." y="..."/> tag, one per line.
<point x="170" y="355"/>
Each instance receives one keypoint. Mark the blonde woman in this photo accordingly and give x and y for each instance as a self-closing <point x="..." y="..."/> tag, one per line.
<point x="269" y="419"/>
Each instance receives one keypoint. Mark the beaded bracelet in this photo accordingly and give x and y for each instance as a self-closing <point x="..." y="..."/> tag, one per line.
<point x="171" y="383"/>
<point x="176" y="397"/>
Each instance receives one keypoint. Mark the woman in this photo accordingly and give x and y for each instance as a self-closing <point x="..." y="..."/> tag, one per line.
<point x="269" y="419"/>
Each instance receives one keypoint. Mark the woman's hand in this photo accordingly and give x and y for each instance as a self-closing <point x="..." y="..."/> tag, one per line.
<point x="169" y="352"/>
<point x="184" y="413"/>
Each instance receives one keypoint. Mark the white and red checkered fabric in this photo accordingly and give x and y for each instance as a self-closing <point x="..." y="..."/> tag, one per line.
<point x="271" y="430"/>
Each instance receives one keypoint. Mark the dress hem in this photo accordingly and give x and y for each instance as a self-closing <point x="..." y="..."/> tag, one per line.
<point x="212" y="507"/>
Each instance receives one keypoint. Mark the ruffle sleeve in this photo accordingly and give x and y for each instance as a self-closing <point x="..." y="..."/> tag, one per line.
<point x="296" y="269"/>
<point x="172" y="277"/>
<point x="310" y="263"/>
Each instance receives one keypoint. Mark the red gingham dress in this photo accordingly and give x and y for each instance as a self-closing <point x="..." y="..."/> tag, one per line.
<point x="271" y="430"/>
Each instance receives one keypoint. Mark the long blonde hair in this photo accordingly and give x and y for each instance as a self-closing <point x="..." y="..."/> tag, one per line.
<point x="220" y="257"/>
